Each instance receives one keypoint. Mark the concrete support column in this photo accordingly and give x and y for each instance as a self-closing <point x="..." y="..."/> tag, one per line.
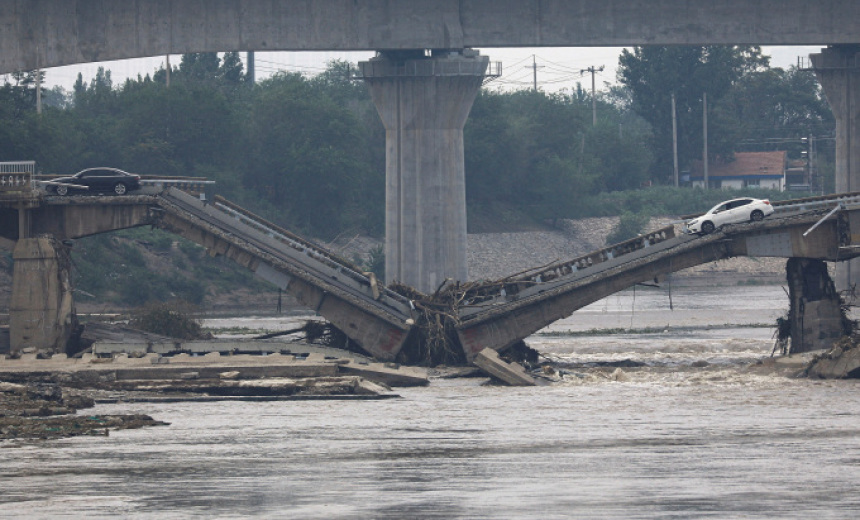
<point x="838" y="71"/>
<point x="41" y="313"/>
<point x="815" y="314"/>
<point x="424" y="102"/>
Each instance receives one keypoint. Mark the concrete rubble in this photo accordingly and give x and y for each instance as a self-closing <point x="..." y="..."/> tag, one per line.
<point x="48" y="411"/>
<point x="40" y="398"/>
<point x="512" y="374"/>
<point x="840" y="362"/>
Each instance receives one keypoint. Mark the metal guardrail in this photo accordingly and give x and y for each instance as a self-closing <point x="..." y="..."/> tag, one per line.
<point x="512" y="287"/>
<point x="816" y="203"/>
<point x="311" y="250"/>
<point x="804" y="204"/>
<point x="18" y="167"/>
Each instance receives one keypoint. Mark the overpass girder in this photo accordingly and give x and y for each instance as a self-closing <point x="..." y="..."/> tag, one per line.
<point x="63" y="32"/>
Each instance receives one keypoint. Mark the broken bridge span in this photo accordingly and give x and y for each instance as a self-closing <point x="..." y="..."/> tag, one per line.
<point x="386" y="320"/>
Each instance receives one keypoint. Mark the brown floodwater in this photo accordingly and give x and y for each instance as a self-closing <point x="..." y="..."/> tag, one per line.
<point x="690" y="434"/>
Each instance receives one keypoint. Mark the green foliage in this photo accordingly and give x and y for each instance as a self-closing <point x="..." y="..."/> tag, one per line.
<point x="309" y="153"/>
<point x="629" y="226"/>
<point x="376" y="262"/>
<point x="668" y="200"/>
<point x="654" y="73"/>
<point x="176" y="319"/>
<point x="6" y="262"/>
<point x="112" y="268"/>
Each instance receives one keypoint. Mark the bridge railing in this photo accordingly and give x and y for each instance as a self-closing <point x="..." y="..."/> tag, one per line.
<point x="804" y="204"/>
<point x="303" y="246"/>
<point x="816" y="203"/>
<point x="196" y="186"/>
<point x="512" y="287"/>
<point x="17" y="176"/>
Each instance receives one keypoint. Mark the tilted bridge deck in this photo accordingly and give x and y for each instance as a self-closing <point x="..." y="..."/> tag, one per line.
<point x="492" y="316"/>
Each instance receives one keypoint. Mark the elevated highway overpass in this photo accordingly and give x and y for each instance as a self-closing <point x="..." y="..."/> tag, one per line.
<point x="49" y="33"/>
<point x="385" y="322"/>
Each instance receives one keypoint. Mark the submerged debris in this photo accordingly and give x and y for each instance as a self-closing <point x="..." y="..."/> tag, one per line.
<point x="47" y="411"/>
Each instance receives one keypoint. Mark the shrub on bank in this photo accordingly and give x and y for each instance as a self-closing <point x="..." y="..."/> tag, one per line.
<point x="176" y="319"/>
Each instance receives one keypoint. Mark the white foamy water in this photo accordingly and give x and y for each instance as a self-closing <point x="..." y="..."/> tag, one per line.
<point x="690" y="432"/>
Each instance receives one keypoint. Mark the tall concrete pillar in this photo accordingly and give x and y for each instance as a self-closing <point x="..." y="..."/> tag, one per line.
<point x="838" y="71"/>
<point x="424" y="102"/>
<point x="815" y="314"/>
<point x="41" y="312"/>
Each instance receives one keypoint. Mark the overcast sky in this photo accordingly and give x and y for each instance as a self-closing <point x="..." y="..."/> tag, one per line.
<point x="558" y="69"/>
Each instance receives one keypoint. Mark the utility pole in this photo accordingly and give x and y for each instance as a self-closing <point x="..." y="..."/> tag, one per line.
<point x="675" y="141"/>
<point x="705" y="135"/>
<point x="167" y="59"/>
<point x="534" y="66"/>
<point x="593" y="70"/>
<point x="250" y="77"/>
<point x="814" y="182"/>
<point x="38" y="82"/>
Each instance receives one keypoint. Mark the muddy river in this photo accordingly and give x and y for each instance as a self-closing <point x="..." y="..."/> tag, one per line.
<point x="694" y="433"/>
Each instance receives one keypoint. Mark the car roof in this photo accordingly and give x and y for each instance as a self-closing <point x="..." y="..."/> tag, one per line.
<point x="739" y="198"/>
<point x="104" y="168"/>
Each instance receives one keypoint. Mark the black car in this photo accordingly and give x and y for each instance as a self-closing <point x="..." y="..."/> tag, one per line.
<point x="110" y="180"/>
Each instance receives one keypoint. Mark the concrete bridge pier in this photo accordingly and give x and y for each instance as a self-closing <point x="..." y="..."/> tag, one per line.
<point x="424" y="101"/>
<point x="41" y="312"/>
<point x="814" y="315"/>
<point x="838" y="70"/>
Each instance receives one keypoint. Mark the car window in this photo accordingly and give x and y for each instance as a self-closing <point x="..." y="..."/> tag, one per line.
<point x="742" y="202"/>
<point x="721" y="207"/>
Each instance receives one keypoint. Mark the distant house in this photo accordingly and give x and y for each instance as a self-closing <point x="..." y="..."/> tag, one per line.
<point x="748" y="170"/>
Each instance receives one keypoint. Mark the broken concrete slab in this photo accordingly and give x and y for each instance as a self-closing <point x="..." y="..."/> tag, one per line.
<point x="390" y="374"/>
<point x="513" y="374"/>
<point x="841" y="362"/>
<point x="125" y="368"/>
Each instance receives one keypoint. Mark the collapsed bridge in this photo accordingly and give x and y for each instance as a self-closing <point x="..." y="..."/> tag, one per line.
<point x="394" y="322"/>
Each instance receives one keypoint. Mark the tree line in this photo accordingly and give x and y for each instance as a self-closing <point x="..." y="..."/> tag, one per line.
<point x="309" y="153"/>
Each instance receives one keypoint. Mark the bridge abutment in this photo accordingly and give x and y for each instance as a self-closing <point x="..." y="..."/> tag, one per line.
<point x="838" y="71"/>
<point x="41" y="312"/>
<point x="815" y="313"/>
<point x="424" y="102"/>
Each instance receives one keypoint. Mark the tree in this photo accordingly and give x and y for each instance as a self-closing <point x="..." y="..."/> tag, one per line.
<point x="308" y="157"/>
<point x="777" y="103"/>
<point x="653" y="74"/>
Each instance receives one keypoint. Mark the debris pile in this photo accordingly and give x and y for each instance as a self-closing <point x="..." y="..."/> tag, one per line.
<point x="47" y="411"/>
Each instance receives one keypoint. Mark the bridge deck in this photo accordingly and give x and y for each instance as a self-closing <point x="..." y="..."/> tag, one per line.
<point x="488" y="315"/>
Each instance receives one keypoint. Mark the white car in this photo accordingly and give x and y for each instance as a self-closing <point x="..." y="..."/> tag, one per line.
<point x="730" y="212"/>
